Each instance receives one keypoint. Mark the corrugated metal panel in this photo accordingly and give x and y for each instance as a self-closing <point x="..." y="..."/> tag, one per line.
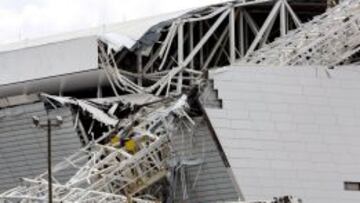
<point x="210" y="181"/>
<point x="291" y="131"/>
<point x="23" y="148"/>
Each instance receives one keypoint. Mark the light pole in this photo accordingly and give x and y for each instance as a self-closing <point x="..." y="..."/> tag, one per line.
<point x="55" y="122"/>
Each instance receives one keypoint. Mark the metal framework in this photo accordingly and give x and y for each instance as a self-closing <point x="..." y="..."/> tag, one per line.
<point x="183" y="55"/>
<point x="109" y="172"/>
<point x="330" y="39"/>
<point x="36" y="191"/>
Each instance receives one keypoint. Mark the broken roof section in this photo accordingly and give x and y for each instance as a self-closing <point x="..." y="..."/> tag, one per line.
<point x="162" y="55"/>
<point x="96" y="113"/>
<point x="108" y="163"/>
<point x="76" y="52"/>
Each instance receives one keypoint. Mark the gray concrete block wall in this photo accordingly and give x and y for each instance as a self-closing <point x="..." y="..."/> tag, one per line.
<point x="291" y="130"/>
<point x="23" y="148"/>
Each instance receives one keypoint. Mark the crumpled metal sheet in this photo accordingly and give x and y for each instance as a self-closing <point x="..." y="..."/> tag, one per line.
<point x="117" y="41"/>
<point x="95" y="112"/>
<point x="133" y="99"/>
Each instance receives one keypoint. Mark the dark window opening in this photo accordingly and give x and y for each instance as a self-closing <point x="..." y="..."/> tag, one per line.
<point x="352" y="186"/>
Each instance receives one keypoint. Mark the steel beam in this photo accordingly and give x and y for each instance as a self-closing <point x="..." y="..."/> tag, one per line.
<point x="264" y="28"/>
<point x="180" y="53"/>
<point x="232" y="35"/>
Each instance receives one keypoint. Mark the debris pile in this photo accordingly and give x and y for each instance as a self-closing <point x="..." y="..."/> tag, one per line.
<point x="119" y="166"/>
<point x="285" y="199"/>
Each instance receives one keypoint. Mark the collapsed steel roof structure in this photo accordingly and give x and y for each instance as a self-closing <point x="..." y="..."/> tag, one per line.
<point x="330" y="39"/>
<point x="111" y="174"/>
<point x="172" y="59"/>
<point x="180" y="59"/>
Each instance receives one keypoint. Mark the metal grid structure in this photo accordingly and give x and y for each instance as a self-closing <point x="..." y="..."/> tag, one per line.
<point x="330" y="39"/>
<point x="112" y="173"/>
<point x="182" y="58"/>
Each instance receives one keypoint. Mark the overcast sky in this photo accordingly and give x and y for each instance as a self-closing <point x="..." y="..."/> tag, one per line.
<point x="26" y="19"/>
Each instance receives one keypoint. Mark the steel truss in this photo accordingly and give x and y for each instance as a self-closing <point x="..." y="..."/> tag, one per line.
<point x="329" y="39"/>
<point x="107" y="173"/>
<point x="37" y="190"/>
<point x="170" y="67"/>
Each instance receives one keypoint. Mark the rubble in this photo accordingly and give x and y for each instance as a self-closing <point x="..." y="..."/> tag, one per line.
<point x="285" y="199"/>
<point x="108" y="170"/>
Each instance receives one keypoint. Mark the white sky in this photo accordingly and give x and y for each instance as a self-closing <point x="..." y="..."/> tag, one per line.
<point x="26" y="19"/>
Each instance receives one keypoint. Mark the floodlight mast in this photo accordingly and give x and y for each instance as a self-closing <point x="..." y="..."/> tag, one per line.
<point x="57" y="122"/>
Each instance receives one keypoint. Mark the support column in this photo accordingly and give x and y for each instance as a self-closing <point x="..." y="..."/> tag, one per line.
<point x="180" y="58"/>
<point x="241" y="34"/>
<point x="232" y="35"/>
<point x="283" y="23"/>
<point x="50" y="190"/>
<point x="201" y="32"/>
<point x="99" y="91"/>
<point x="139" y="68"/>
<point x="191" y="46"/>
<point x="191" y="41"/>
<point x="61" y="88"/>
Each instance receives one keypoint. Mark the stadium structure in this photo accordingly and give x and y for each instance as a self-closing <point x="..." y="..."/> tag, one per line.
<point x="252" y="101"/>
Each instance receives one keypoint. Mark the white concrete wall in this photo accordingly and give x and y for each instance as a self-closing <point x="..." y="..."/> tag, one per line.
<point x="48" y="60"/>
<point x="291" y="131"/>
